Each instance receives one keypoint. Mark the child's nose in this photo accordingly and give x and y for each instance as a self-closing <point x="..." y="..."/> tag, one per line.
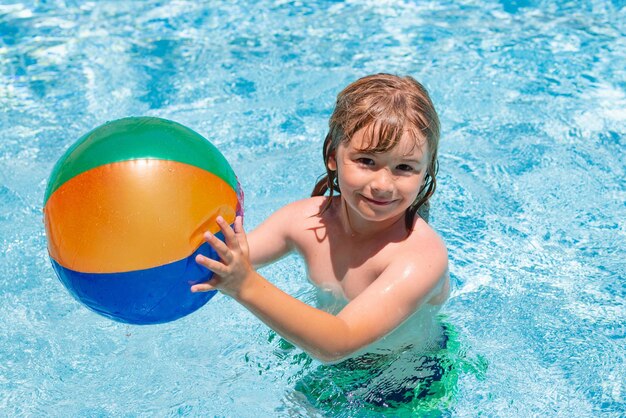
<point x="383" y="181"/>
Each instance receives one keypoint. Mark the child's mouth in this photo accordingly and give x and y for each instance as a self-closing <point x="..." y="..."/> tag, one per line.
<point x="378" y="202"/>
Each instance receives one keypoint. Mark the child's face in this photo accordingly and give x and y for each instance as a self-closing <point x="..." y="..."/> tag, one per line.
<point x="380" y="186"/>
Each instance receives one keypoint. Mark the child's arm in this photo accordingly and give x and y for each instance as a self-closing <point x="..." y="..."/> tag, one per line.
<point x="270" y="241"/>
<point x="385" y="304"/>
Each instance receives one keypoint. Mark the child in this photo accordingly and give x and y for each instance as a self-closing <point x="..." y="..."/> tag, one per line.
<point x="363" y="243"/>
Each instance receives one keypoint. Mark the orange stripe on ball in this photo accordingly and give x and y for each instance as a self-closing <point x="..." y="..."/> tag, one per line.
<point x="134" y="215"/>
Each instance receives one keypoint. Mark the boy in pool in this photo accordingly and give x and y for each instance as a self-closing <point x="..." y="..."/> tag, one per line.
<point x="367" y="243"/>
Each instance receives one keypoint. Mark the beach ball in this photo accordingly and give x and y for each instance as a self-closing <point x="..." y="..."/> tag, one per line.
<point x="125" y="211"/>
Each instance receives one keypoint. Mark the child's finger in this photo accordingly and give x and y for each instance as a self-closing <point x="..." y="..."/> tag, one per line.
<point x="241" y="234"/>
<point x="238" y="225"/>
<point x="229" y="234"/>
<point x="213" y="265"/>
<point x="202" y="287"/>
<point x="219" y="246"/>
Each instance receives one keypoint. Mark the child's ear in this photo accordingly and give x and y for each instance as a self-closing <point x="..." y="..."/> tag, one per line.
<point x="332" y="162"/>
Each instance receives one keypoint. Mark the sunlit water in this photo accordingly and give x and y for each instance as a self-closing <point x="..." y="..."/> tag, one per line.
<point x="531" y="198"/>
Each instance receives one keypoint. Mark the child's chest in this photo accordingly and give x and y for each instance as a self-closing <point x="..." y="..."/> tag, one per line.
<point x="349" y="267"/>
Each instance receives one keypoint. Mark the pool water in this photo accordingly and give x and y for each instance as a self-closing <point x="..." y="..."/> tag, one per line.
<point x="531" y="199"/>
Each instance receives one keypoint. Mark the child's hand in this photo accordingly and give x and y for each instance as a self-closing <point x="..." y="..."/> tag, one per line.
<point x="231" y="271"/>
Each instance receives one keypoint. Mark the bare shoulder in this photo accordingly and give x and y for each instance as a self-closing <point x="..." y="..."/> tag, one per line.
<point x="301" y="214"/>
<point x="292" y="218"/>
<point x="424" y="257"/>
<point x="282" y="232"/>
<point x="424" y="241"/>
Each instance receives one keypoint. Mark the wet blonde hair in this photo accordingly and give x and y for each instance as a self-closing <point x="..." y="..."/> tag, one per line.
<point x="386" y="106"/>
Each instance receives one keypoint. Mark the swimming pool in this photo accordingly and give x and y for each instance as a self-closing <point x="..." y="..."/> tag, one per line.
<point x="530" y="201"/>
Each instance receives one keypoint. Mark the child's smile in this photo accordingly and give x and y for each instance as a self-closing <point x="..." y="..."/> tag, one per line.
<point x="379" y="202"/>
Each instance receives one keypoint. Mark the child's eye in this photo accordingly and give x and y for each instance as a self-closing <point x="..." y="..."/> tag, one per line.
<point x="365" y="161"/>
<point x="405" y="167"/>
